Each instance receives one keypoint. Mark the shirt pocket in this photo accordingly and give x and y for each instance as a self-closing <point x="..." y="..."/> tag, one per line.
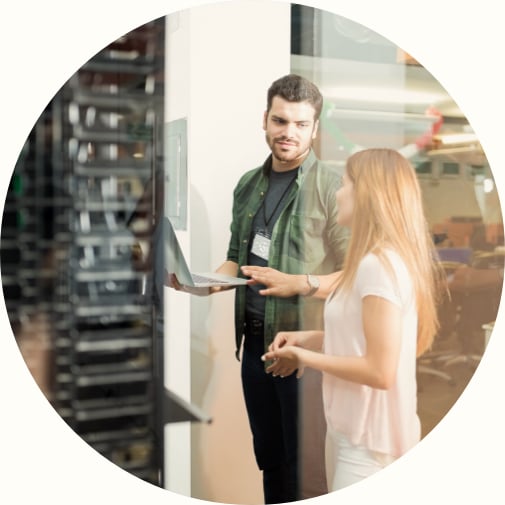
<point x="306" y="242"/>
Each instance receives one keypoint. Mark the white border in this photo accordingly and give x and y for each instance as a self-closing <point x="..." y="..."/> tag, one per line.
<point x="43" y="43"/>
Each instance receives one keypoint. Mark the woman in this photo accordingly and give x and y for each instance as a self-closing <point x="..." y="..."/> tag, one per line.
<point x="380" y="316"/>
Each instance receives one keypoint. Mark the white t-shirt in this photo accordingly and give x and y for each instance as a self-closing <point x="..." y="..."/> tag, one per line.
<point x="385" y="421"/>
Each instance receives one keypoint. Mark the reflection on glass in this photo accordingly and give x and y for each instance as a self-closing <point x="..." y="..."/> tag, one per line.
<point x="378" y="96"/>
<point x="77" y="251"/>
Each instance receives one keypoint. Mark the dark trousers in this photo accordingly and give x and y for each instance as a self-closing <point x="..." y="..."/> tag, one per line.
<point x="272" y="407"/>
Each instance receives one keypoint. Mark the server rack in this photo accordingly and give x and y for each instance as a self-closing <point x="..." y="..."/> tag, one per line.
<point x="77" y="248"/>
<point x="26" y="252"/>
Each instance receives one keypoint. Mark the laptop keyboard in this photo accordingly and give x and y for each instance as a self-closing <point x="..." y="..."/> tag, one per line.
<point x="205" y="280"/>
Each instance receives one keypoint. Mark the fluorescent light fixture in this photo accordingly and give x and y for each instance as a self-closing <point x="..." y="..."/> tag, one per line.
<point x="456" y="138"/>
<point x="373" y="115"/>
<point x="383" y="95"/>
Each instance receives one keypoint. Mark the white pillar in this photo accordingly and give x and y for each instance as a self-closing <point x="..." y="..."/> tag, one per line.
<point x="221" y="59"/>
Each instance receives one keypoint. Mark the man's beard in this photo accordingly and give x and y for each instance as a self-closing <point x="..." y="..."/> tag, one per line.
<point x="279" y="153"/>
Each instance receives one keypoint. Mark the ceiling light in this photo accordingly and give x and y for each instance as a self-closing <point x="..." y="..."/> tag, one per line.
<point x="381" y="116"/>
<point x="383" y="95"/>
<point x="456" y="138"/>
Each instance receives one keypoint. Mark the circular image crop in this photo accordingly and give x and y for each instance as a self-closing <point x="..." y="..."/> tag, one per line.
<point x="160" y="126"/>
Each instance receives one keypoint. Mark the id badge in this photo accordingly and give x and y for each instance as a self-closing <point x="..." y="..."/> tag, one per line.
<point x="261" y="246"/>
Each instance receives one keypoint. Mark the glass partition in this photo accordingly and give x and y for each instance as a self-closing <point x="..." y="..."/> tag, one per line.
<point x="77" y="246"/>
<point x="376" y="95"/>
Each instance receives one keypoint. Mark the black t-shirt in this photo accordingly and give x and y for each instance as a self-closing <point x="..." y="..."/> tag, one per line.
<point x="263" y="223"/>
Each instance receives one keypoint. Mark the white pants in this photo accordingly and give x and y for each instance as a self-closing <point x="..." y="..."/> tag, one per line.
<point x="347" y="463"/>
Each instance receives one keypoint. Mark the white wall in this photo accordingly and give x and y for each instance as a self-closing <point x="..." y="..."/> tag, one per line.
<point x="177" y="305"/>
<point x="221" y="59"/>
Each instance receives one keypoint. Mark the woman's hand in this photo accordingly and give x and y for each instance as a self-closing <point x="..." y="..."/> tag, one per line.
<point x="285" y="361"/>
<point x="283" y="353"/>
<point x="308" y="339"/>
<point x="284" y="339"/>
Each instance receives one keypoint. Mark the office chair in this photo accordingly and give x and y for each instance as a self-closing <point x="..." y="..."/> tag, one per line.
<point x="475" y="290"/>
<point x="434" y="362"/>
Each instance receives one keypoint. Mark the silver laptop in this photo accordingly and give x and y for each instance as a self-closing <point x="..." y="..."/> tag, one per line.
<point x="175" y="263"/>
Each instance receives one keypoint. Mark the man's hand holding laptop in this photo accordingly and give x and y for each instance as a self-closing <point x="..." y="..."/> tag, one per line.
<point x="228" y="268"/>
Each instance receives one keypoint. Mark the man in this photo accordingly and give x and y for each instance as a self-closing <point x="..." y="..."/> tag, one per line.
<point x="284" y="217"/>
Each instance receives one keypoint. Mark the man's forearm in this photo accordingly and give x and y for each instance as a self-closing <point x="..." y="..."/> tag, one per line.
<point x="285" y="285"/>
<point x="228" y="268"/>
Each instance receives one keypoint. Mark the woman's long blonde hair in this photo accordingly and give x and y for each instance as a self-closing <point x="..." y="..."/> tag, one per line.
<point x="388" y="213"/>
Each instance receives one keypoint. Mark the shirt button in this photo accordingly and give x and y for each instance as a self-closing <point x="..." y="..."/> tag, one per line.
<point x="250" y="216"/>
<point x="244" y="241"/>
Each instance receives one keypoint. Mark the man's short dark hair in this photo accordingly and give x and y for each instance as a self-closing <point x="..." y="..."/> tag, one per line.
<point x="294" y="88"/>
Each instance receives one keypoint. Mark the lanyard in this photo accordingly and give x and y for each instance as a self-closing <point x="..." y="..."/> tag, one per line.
<point x="288" y="187"/>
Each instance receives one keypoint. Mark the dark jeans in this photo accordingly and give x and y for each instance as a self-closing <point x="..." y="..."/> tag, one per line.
<point x="272" y="407"/>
